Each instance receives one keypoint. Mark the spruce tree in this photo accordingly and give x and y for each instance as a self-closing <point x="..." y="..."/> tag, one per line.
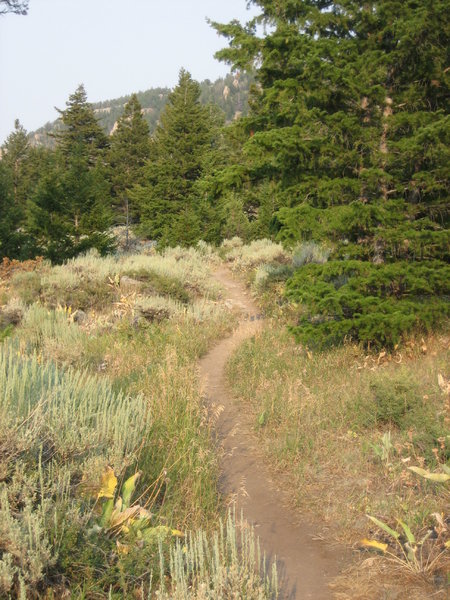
<point x="15" y="152"/>
<point x="168" y="204"/>
<point x="80" y="131"/>
<point x="70" y="209"/>
<point x="128" y="153"/>
<point x="82" y="145"/>
<point x="19" y="172"/>
<point x="348" y="127"/>
<point x="13" y="241"/>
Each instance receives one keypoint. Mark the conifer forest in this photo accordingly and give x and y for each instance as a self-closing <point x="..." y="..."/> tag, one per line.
<point x="224" y="321"/>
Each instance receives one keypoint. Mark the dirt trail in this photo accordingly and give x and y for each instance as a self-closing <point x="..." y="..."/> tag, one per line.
<point x="305" y="563"/>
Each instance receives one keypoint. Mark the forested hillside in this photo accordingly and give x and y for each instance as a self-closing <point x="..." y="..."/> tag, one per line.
<point x="230" y="94"/>
<point x="346" y="144"/>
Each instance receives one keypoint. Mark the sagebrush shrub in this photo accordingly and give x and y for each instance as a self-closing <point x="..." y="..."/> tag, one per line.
<point x="309" y="252"/>
<point x="26" y="285"/>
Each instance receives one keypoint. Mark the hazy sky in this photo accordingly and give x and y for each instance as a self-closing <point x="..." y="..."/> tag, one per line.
<point x="114" y="47"/>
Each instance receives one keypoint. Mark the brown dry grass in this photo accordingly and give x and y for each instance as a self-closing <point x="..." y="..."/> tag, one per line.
<point x="314" y="415"/>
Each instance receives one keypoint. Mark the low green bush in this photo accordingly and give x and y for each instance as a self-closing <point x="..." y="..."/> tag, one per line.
<point x="377" y="305"/>
<point x="84" y="294"/>
<point x="395" y="401"/>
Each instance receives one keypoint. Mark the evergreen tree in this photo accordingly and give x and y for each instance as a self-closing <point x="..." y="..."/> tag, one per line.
<point x="129" y="151"/>
<point x="48" y="219"/>
<point x="80" y="131"/>
<point x="15" y="152"/>
<point x="348" y="128"/>
<point x="168" y="204"/>
<point x="69" y="211"/>
<point x="13" y="242"/>
<point x="82" y="145"/>
<point x="19" y="172"/>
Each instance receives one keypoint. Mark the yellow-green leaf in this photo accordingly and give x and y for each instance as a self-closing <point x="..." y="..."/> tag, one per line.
<point x="437" y="477"/>
<point x="447" y="544"/>
<point x="409" y="534"/>
<point x="107" y="512"/>
<point x="384" y="527"/>
<point x="108" y="484"/>
<point x="177" y="533"/>
<point x="128" y="489"/>
<point x="374" y="544"/>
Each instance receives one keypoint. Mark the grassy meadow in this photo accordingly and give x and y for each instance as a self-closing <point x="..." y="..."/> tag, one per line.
<point x="107" y="468"/>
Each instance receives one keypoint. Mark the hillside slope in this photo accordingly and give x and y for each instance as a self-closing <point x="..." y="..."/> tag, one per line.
<point x="230" y="94"/>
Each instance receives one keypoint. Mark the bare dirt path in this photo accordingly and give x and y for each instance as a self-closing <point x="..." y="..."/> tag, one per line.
<point x="305" y="563"/>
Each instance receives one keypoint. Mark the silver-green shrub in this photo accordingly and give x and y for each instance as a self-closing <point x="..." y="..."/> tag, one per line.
<point x="228" y="564"/>
<point x="69" y="411"/>
<point x="309" y="252"/>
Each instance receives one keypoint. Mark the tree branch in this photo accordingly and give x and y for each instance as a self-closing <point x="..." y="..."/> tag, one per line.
<point x="17" y="7"/>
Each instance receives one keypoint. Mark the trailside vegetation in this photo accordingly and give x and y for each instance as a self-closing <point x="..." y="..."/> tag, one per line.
<point x="106" y="458"/>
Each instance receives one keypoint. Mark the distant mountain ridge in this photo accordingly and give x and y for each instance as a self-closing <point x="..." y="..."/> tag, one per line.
<point x="229" y="93"/>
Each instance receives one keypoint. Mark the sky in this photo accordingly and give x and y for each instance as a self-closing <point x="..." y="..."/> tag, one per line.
<point x="113" y="47"/>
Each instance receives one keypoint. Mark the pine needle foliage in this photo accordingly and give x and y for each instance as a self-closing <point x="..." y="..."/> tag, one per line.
<point x="169" y="206"/>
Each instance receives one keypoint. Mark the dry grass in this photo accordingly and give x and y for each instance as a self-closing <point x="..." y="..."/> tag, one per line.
<point x="373" y="577"/>
<point x="246" y="257"/>
<point x="321" y="418"/>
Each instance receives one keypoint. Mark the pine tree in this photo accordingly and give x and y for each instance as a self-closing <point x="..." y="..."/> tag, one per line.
<point x="48" y="220"/>
<point x="167" y="201"/>
<point x="80" y="131"/>
<point x="19" y="172"/>
<point x="13" y="242"/>
<point x="82" y="145"/>
<point x="129" y="151"/>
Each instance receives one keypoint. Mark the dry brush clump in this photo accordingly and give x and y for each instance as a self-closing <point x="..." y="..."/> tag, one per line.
<point x="247" y="257"/>
<point x="90" y="282"/>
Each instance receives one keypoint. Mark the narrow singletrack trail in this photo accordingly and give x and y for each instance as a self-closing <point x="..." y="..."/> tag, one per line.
<point x="305" y="563"/>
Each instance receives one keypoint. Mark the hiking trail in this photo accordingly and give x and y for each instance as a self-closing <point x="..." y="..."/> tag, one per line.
<point x="305" y="563"/>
